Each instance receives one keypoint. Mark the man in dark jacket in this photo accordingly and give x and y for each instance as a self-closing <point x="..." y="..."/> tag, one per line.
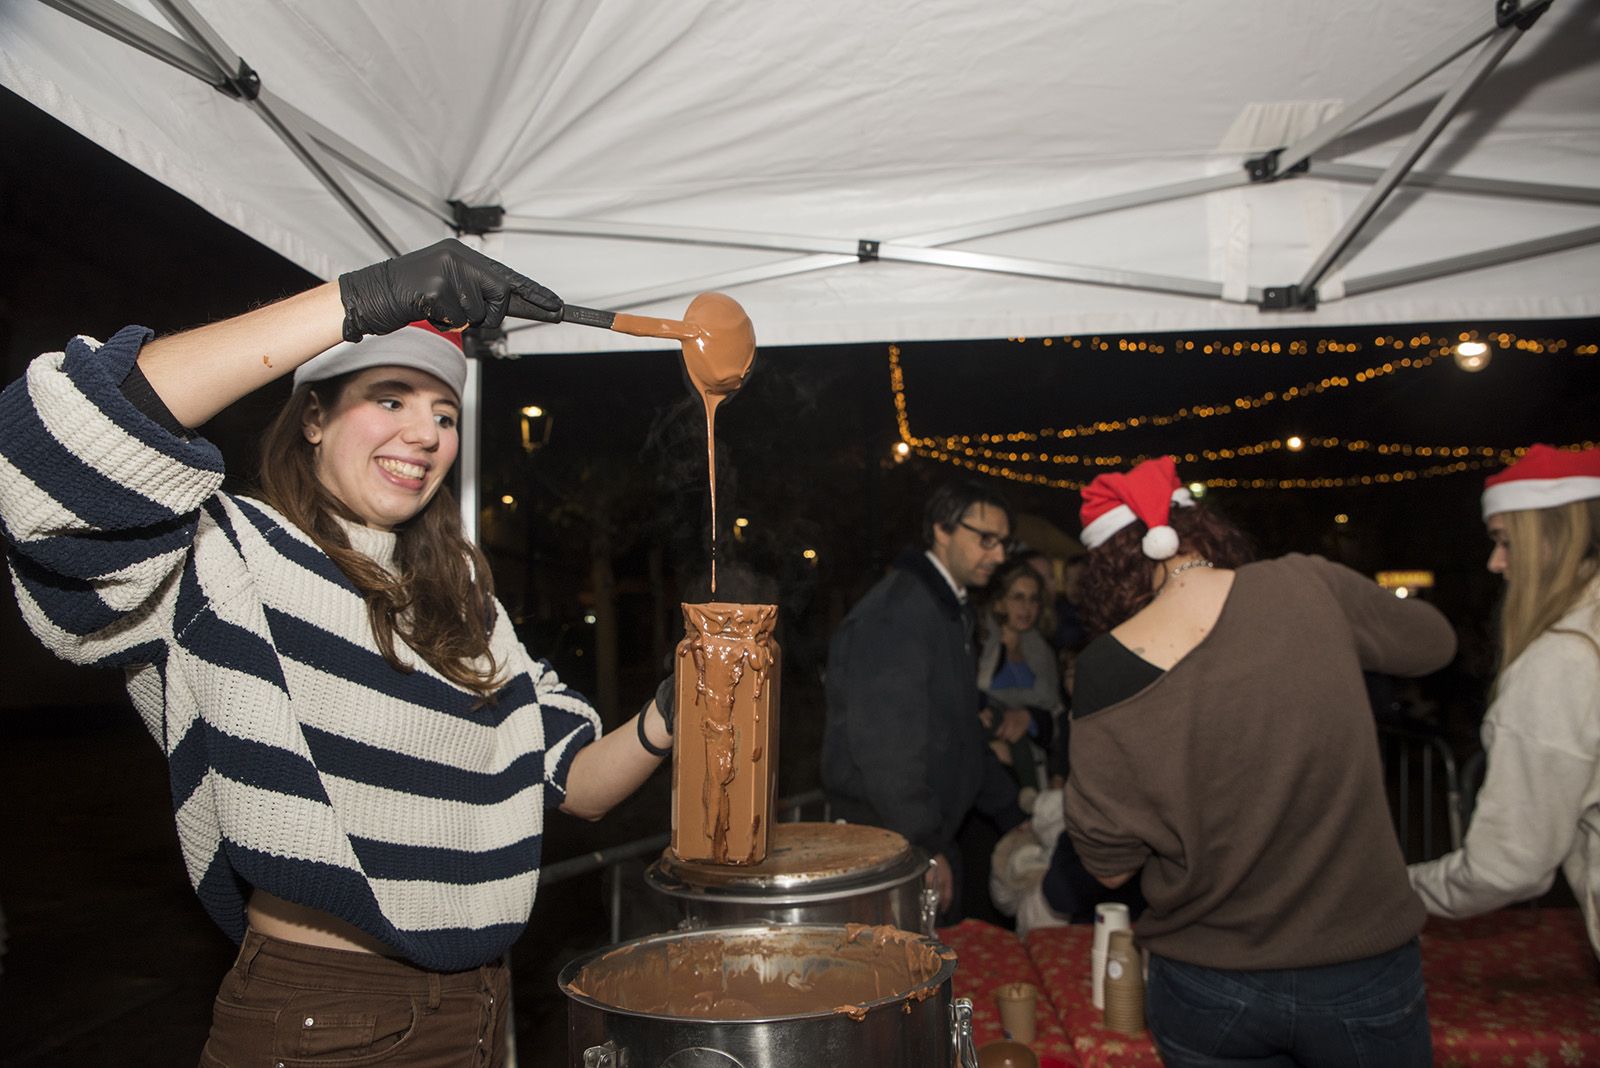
<point x="903" y="748"/>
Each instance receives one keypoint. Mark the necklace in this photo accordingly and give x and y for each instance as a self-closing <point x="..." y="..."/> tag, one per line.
<point x="1180" y="569"/>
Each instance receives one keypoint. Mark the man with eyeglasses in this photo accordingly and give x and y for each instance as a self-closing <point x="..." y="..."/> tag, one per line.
<point x="903" y="747"/>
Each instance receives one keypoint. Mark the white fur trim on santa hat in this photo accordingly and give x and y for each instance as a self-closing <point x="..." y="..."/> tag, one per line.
<point x="1526" y="494"/>
<point x="1106" y="524"/>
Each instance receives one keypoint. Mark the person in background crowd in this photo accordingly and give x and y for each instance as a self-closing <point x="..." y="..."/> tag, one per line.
<point x="1224" y="754"/>
<point x="1066" y="628"/>
<point x="1538" y="810"/>
<point x="902" y="747"/>
<point x="1018" y="678"/>
<point x="360" y="750"/>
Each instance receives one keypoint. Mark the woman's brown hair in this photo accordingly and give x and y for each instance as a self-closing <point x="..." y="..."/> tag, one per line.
<point x="1552" y="556"/>
<point x="1116" y="580"/>
<point x="1001" y="585"/>
<point x="440" y="601"/>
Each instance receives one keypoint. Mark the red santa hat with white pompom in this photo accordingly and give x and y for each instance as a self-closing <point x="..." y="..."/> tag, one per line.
<point x="1145" y="494"/>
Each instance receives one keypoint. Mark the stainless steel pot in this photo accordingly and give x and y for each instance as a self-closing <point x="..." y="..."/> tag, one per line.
<point x="687" y="1000"/>
<point x="814" y="873"/>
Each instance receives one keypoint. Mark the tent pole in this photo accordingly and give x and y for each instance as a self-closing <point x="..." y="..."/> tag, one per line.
<point x="691" y="286"/>
<point x="1484" y="62"/>
<point x="210" y="60"/>
<point x="1319" y="138"/>
<point x="695" y="235"/>
<point x="841" y="252"/>
<point x="1455" y="183"/>
<point x="136" y="31"/>
<point x="1472" y="261"/>
<point x="969" y="261"/>
<point x="241" y="80"/>
<point x="1062" y="272"/>
<point x="470" y="460"/>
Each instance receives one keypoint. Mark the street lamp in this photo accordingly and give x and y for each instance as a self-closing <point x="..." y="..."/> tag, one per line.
<point x="536" y="424"/>
<point x="1472" y="356"/>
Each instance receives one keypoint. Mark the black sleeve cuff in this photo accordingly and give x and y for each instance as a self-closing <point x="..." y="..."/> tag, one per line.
<point x="136" y="387"/>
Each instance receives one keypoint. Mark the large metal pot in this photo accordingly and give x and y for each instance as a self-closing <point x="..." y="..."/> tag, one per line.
<point x="767" y="996"/>
<point x="814" y="873"/>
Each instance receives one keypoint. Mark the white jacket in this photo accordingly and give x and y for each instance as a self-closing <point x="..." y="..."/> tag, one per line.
<point x="1539" y="807"/>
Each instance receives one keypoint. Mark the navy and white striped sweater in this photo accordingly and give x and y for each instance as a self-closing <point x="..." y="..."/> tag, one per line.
<point x="300" y="761"/>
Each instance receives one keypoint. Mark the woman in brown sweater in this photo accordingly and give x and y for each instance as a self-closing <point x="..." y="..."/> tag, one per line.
<point x="1223" y="750"/>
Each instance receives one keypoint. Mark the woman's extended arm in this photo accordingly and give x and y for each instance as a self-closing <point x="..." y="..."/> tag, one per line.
<point x="606" y="771"/>
<point x="1542" y="737"/>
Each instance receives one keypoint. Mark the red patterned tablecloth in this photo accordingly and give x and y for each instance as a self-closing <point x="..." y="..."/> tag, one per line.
<point x="1061" y="954"/>
<point x="1517" y="987"/>
<point x="989" y="957"/>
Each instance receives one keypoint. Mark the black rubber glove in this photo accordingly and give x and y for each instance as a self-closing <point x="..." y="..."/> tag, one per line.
<point x="448" y="284"/>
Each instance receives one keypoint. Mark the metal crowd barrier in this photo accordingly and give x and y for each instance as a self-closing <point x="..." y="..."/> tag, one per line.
<point x="1405" y="749"/>
<point x="788" y="808"/>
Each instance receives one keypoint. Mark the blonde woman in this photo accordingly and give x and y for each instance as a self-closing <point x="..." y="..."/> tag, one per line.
<point x="1539" y="808"/>
<point x="1018" y="677"/>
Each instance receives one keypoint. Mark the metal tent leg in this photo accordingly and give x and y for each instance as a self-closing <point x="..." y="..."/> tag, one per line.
<point x="1484" y="62"/>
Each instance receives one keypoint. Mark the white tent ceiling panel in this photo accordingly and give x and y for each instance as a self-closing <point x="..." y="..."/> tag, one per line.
<point x="806" y="129"/>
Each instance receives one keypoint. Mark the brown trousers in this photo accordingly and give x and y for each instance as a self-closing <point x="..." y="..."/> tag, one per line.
<point x="287" y="1005"/>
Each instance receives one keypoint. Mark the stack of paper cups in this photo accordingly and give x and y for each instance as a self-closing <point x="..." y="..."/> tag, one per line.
<point x="1124" y="986"/>
<point x="1107" y="918"/>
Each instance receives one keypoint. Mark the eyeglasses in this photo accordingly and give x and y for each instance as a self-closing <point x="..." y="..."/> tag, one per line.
<point x="987" y="539"/>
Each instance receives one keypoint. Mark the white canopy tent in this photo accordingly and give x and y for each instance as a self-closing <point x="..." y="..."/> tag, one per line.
<point x="857" y="171"/>
<point x="873" y="171"/>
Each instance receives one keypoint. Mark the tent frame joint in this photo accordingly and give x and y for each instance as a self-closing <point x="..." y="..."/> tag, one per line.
<point x="1508" y="12"/>
<point x="243" y="84"/>
<point x="866" y="250"/>
<point x="476" y="219"/>
<point x="1264" y="168"/>
<point x="483" y="342"/>
<point x="1288" y="298"/>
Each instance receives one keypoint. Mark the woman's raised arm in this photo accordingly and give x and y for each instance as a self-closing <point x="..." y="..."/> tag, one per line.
<point x="200" y="372"/>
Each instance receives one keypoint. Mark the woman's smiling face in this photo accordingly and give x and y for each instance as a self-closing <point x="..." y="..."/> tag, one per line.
<point x="387" y="444"/>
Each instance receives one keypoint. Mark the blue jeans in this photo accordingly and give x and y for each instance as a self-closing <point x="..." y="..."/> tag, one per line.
<point x="1370" y="1013"/>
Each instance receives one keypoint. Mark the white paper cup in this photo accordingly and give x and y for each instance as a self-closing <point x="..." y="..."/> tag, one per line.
<point x="1109" y="916"/>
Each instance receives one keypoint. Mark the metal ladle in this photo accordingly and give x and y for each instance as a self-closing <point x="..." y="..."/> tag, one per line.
<point x="719" y="342"/>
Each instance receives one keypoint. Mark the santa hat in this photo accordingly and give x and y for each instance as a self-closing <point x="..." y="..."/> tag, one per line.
<point x="1146" y="493"/>
<point x="419" y="346"/>
<point x="1545" y="477"/>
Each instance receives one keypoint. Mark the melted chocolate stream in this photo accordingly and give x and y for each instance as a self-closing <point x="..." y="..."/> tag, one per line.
<point x="719" y="344"/>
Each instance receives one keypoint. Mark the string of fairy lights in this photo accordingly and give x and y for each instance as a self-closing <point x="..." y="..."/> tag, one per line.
<point x="997" y="454"/>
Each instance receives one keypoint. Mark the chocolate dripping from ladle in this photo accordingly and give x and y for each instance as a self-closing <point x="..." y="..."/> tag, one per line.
<point x="719" y="346"/>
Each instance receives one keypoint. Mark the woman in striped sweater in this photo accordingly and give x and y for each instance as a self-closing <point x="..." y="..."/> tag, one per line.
<point x="360" y="751"/>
